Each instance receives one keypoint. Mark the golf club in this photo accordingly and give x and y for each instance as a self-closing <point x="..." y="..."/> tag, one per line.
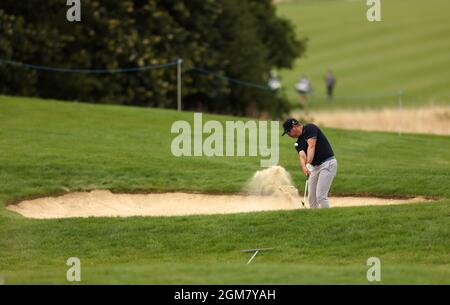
<point x="304" y="196"/>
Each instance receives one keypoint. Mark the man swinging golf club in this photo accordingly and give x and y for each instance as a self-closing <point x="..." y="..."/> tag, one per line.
<point x="316" y="159"/>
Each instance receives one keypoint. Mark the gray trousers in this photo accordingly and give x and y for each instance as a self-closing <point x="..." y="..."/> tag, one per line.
<point x="319" y="184"/>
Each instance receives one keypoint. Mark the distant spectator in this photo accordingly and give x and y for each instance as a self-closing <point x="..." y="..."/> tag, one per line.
<point x="330" y="81"/>
<point x="274" y="82"/>
<point x="304" y="88"/>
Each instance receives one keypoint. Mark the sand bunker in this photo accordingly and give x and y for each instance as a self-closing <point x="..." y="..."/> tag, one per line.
<point x="107" y="204"/>
<point x="268" y="190"/>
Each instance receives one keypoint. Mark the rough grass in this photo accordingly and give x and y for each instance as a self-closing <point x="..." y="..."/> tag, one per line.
<point x="424" y="120"/>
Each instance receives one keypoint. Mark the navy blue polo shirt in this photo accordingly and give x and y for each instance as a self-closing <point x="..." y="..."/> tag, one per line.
<point x="323" y="147"/>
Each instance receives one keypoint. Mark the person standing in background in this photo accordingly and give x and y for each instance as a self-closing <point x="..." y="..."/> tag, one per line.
<point x="330" y="81"/>
<point x="304" y="88"/>
<point x="274" y="82"/>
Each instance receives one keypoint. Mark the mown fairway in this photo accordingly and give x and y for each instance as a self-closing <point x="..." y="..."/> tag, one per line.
<point x="408" y="50"/>
<point x="52" y="147"/>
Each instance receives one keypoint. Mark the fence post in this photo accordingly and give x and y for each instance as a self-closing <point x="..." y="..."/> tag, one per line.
<point x="400" y="105"/>
<point x="179" y="62"/>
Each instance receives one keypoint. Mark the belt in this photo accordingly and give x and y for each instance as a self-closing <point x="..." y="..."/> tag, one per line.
<point x="327" y="159"/>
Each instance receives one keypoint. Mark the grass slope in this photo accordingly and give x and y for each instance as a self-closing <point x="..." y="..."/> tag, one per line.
<point x="50" y="147"/>
<point x="407" y="50"/>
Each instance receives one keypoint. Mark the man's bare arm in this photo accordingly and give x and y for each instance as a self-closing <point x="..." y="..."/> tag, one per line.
<point x="303" y="162"/>
<point x="311" y="150"/>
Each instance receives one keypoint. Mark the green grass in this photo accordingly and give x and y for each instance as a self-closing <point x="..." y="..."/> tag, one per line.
<point x="51" y="147"/>
<point x="310" y="247"/>
<point x="407" y="50"/>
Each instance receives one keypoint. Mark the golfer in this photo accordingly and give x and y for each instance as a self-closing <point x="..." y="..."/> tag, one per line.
<point x="316" y="159"/>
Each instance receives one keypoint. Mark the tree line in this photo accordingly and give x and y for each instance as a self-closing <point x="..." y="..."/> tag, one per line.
<point x="241" y="39"/>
